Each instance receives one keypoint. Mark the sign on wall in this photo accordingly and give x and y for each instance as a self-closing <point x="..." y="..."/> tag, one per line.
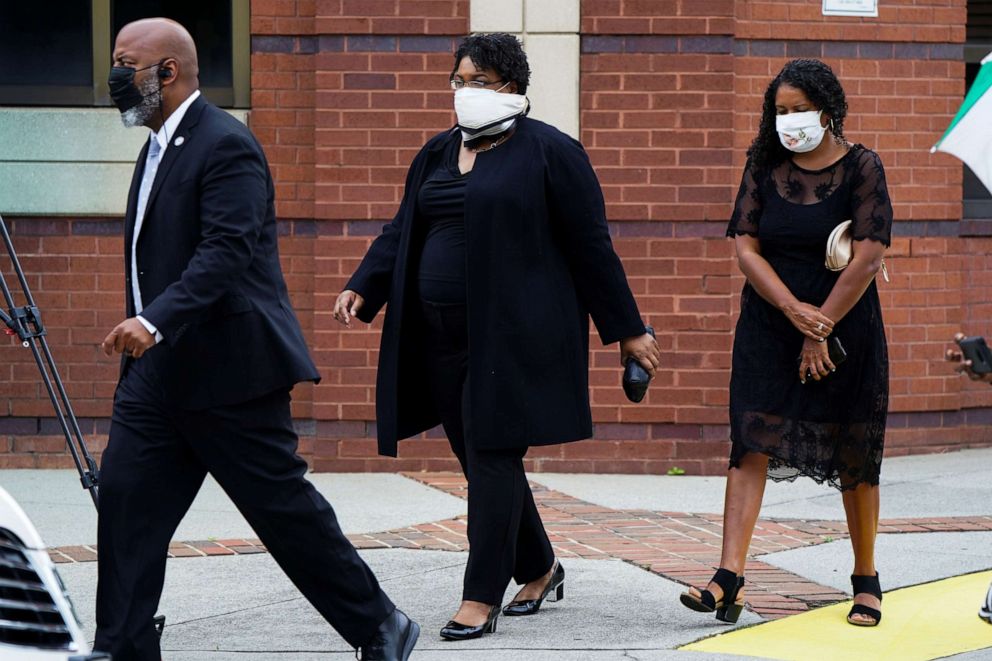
<point x="850" y="7"/>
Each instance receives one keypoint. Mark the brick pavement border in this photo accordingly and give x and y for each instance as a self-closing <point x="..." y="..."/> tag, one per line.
<point x="680" y="546"/>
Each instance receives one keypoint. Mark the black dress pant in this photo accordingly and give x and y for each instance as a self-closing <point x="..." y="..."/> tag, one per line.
<point x="505" y="533"/>
<point x="154" y="464"/>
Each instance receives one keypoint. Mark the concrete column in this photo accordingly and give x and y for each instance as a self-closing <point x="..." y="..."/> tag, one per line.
<point x="550" y="32"/>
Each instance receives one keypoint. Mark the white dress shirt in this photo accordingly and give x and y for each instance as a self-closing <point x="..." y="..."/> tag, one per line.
<point x="162" y="136"/>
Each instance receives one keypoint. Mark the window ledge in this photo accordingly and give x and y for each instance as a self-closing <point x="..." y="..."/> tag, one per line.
<point x="68" y="161"/>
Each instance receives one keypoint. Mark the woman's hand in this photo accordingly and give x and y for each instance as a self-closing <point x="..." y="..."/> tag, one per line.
<point x="814" y="361"/>
<point x="964" y="366"/>
<point x="809" y="321"/>
<point x="347" y="306"/>
<point x="642" y="348"/>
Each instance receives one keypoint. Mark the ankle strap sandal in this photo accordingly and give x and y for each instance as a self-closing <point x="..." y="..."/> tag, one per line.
<point x="728" y="609"/>
<point x="865" y="585"/>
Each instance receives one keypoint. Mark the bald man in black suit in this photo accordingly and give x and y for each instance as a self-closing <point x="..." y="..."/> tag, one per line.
<point x="211" y="349"/>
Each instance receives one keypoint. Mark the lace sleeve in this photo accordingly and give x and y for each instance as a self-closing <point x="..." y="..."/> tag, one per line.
<point x="748" y="206"/>
<point x="871" y="208"/>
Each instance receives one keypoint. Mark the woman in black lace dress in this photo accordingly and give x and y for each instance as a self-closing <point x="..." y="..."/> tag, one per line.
<point x="792" y="410"/>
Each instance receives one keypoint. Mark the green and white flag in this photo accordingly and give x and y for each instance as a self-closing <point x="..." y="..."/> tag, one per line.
<point x="969" y="137"/>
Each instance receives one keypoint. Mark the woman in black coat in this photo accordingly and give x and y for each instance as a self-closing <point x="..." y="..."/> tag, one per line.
<point x="497" y="257"/>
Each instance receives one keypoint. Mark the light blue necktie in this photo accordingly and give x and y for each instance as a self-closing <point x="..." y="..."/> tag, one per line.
<point x="151" y="167"/>
<point x="147" y="179"/>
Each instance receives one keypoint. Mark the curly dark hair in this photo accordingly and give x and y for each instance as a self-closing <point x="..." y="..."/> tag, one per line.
<point x="499" y="51"/>
<point x="818" y="82"/>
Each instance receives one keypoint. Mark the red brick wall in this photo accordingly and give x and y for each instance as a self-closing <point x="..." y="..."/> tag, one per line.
<point x="344" y="92"/>
<point x="657" y="118"/>
<point x="938" y="21"/>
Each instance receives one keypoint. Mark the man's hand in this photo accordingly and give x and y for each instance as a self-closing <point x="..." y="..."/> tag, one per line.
<point x="642" y="348"/>
<point x="347" y="306"/>
<point x="130" y="337"/>
<point x="964" y="366"/>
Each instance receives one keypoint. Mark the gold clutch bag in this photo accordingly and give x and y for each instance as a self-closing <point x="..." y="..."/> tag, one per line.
<point x="840" y="249"/>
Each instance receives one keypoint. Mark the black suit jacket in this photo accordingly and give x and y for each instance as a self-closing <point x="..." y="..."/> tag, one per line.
<point x="539" y="262"/>
<point x="208" y="267"/>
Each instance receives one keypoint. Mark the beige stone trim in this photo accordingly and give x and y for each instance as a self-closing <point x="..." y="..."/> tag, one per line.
<point x="561" y="16"/>
<point x="554" y="86"/>
<point x="496" y="16"/>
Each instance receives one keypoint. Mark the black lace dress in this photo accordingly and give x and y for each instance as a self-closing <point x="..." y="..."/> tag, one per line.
<point x="832" y="430"/>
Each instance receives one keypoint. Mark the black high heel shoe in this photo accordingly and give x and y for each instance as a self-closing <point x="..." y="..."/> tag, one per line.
<point x="863" y="585"/>
<point x="458" y="631"/>
<point x="729" y="608"/>
<point x="530" y="606"/>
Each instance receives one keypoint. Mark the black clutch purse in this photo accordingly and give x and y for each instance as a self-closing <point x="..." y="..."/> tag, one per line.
<point x="635" y="377"/>
<point x="836" y="350"/>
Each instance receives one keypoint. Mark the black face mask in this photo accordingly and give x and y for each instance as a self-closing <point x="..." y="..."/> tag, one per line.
<point x="123" y="92"/>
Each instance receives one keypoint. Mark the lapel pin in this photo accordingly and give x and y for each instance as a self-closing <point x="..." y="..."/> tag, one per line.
<point x="179" y="141"/>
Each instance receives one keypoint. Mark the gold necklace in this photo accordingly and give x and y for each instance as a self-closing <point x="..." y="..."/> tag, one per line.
<point x="493" y="145"/>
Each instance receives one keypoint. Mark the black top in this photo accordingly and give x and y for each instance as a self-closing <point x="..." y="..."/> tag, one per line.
<point x="831" y="430"/>
<point x="441" y="206"/>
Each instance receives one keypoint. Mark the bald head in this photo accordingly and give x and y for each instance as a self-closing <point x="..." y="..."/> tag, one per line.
<point x="155" y="39"/>
<point x="163" y="55"/>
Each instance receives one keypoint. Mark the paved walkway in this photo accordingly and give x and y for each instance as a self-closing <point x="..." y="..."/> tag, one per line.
<point x="629" y="544"/>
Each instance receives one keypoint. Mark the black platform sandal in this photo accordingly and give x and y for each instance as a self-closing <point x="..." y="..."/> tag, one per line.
<point x="729" y="608"/>
<point x="865" y="585"/>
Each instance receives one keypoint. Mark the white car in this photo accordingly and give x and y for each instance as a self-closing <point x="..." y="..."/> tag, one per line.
<point x="37" y="620"/>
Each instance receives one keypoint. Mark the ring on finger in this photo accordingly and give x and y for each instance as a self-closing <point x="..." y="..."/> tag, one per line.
<point x="819" y="326"/>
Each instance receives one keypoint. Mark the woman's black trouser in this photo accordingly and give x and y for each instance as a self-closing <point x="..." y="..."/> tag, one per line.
<point x="505" y="533"/>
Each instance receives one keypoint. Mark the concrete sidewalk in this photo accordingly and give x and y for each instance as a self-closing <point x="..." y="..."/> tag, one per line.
<point x="627" y="543"/>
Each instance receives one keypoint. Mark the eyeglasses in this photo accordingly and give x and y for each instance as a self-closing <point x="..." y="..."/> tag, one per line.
<point x="457" y="84"/>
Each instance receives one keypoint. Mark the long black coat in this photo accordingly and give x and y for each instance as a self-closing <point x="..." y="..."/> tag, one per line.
<point x="539" y="263"/>
<point x="210" y="277"/>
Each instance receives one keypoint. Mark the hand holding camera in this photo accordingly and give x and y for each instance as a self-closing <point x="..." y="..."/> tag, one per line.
<point x="973" y="357"/>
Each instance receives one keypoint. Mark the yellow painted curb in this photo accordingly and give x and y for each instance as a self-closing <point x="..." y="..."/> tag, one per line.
<point x="922" y="622"/>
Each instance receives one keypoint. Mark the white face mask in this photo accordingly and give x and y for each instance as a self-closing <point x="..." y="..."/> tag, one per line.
<point x="800" y="131"/>
<point x="487" y="112"/>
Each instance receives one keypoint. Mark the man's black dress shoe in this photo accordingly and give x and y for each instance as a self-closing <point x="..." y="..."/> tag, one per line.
<point x="457" y="631"/>
<point x="531" y="606"/>
<point x="393" y="641"/>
